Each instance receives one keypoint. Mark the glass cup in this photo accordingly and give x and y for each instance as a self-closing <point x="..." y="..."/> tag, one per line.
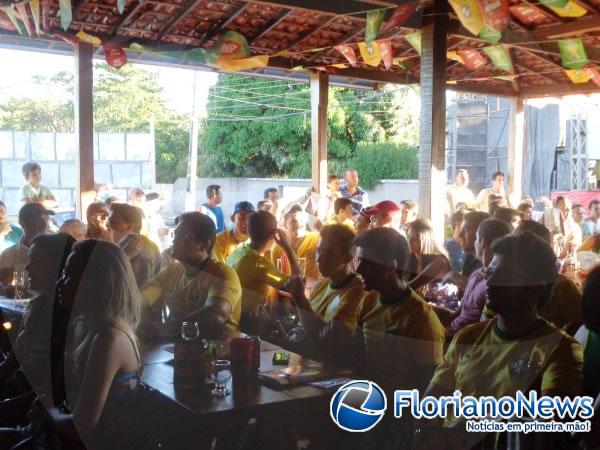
<point x="21" y="282"/>
<point x="189" y="331"/>
<point x="221" y="374"/>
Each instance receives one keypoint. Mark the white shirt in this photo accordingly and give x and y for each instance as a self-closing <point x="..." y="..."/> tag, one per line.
<point x="15" y="257"/>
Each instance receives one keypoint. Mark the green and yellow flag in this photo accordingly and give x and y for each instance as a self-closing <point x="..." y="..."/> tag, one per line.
<point x="490" y="35"/>
<point x="565" y="8"/>
<point x="374" y="20"/>
<point x="578" y="76"/>
<point x="414" y="39"/>
<point x="572" y="53"/>
<point x="500" y="57"/>
<point x="371" y="55"/>
<point x="469" y="14"/>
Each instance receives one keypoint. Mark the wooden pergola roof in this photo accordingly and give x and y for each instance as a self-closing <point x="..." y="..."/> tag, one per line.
<point x="297" y="26"/>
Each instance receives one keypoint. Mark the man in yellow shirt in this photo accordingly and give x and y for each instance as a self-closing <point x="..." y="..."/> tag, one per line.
<point x="196" y="287"/>
<point x="257" y="274"/>
<point x="342" y="208"/>
<point x="228" y="240"/>
<point x="517" y="350"/>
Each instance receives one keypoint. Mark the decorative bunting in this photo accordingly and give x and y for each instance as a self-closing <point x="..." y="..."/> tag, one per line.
<point x="529" y="14"/>
<point x="348" y="53"/>
<point x="374" y="21"/>
<point x="84" y="37"/>
<point x="35" y="13"/>
<point x="593" y="74"/>
<point x="371" y="55"/>
<point x="232" y="45"/>
<point x="572" y="53"/>
<point x="6" y="23"/>
<point x="472" y="59"/>
<point x="577" y="76"/>
<point x="500" y="57"/>
<point x="469" y="14"/>
<point x="571" y="9"/>
<point x="22" y="14"/>
<point x="400" y="16"/>
<point x="490" y="35"/>
<point x="554" y="3"/>
<point x="66" y="13"/>
<point x="414" y="39"/>
<point x="121" y="6"/>
<point x="496" y="14"/>
<point x="387" y="52"/>
<point x="401" y="62"/>
<point x="454" y="56"/>
<point x="252" y="62"/>
<point x="198" y="54"/>
<point x="10" y="13"/>
<point x="115" y="56"/>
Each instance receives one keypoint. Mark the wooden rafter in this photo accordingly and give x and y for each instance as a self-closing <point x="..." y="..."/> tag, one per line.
<point x="271" y="24"/>
<point x="577" y="27"/>
<point x="187" y="8"/>
<point x="126" y="17"/>
<point x="526" y="71"/>
<point x="220" y="26"/>
<point x="324" y="22"/>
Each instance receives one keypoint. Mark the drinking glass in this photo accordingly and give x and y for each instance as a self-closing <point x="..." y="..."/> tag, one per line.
<point x="221" y="374"/>
<point x="21" y="282"/>
<point x="190" y="331"/>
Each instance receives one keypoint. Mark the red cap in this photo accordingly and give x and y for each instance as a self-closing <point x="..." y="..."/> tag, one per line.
<point x="386" y="206"/>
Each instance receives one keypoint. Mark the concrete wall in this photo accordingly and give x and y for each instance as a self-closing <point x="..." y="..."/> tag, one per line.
<point x="122" y="159"/>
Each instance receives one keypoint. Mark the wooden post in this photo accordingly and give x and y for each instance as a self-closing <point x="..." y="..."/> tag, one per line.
<point x="516" y="145"/>
<point x="432" y="152"/>
<point x="84" y="127"/>
<point x="319" y="90"/>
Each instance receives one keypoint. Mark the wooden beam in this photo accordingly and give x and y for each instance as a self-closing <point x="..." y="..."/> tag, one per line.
<point x="482" y="89"/>
<point x="187" y="8"/>
<point x="319" y="94"/>
<point x="220" y="26"/>
<point x="283" y="14"/>
<point x="127" y="17"/>
<point x="322" y="6"/>
<point x="432" y="149"/>
<point x="559" y="90"/>
<point x="564" y="30"/>
<point x="516" y="145"/>
<point x="84" y="127"/>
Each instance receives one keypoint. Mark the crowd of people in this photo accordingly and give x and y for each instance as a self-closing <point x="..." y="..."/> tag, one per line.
<point x="490" y="310"/>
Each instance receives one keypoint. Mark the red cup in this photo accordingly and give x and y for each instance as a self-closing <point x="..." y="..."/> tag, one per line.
<point x="244" y="353"/>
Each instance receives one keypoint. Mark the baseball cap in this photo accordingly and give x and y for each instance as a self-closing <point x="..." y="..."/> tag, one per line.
<point x="32" y="211"/>
<point x="386" y="206"/>
<point x="243" y="206"/>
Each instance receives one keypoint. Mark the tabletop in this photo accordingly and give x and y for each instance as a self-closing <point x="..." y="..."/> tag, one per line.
<point x="12" y="307"/>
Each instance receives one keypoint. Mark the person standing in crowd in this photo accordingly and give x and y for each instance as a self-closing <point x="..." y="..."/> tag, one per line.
<point x="517" y="350"/>
<point x="228" y="240"/>
<point x="385" y="214"/>
<point x="343" y="213"/>
<point x="459" y="192"/>
<point x="566" y="234"/>
<point x="271" y="195"/>
<point x="350" y="189"/>
<point x="363" y="222"/>
<point x="410" y="213"/>
<point x="578" y="214"/>
<point x="211" y="208"/>
<point x="34" y="190"/>
<point x="264" y="205"/>
<point x="510" y="216"/>
<point x="74" y="228"/>
<point x="195" y="287"/>
<point x="497" y="188"/>
<point x="525" y="211"/>
<point x="10" y="233"/>
<point x="326" y="205"/>
<point x="591" y="225"/>
<point x="125" y="224"/>
<point x="453" y="243"/>
<point x="97" y="221"/>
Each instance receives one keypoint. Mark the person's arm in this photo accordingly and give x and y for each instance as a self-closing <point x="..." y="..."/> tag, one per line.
<point x="312" y="322"/>
<point x="282" y="239"/>
<point x="588" y="244"/>
<point x="212" y="317"/>
<point x="435" y="270"/>
<point x="457" y="279"/>
<point x="445" y="315"/>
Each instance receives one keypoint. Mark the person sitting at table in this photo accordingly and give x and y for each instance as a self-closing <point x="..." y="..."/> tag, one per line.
<point x="228" y="240"/>
<point x="257" y="274"/>
<point x="515" y="351"/>
<point x="74" y="228"/>
<point x="97" y="221"/>
<point x="512" y="217"/>
<point x="303" y="242"/>
<point x="195" y="287"/>
<point x="33" y="218"/>
<point x="343" y="213"/>
<point x="9" y="232"/>
<point x="125" y="225"/>
<point x="473" y="299"/>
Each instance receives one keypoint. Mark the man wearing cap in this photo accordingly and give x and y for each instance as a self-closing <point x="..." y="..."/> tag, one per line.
<point x="228" y="240"/>
<point x="350" y="189"/>
<point x="385" y="214"/>
<point x="33" y="218"/>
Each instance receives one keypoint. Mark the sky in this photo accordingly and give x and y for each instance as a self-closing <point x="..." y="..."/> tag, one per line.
<point x="19" y="67"/>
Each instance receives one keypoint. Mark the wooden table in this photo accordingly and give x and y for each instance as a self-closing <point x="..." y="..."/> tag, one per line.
<point x="13" y="309"/>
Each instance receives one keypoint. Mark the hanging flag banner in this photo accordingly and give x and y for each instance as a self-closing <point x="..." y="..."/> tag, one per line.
<point x="593" y="74"/>
<point x="454" y="56"/>
<point x="66" y="13"/>
<point x="16" y="23"/>
<point x="554" y="3"/>
<point x="469" y="14"/>
<point x="414" y="39"/>
<point x="472" y="59"/>
<point x="22" y="14"/>
<point x="577" y="76"/>
<point x="387" y="52"/>
<point x="35" y="13"/>
<point x="529" y="14"/>
<point x="84" y="37"/>
<point x="371" y="55"/>
<point x="199" y="54"/>
<point x="5" y="22"/>
<point x="496" y="14"/>
<point x="348" y="53"/>
<point x="374" y="21"/>
<point x="121" y="6"/>
<point x="252" y="62"/>
<point x="400" y="16"/>
<point x="232" y="45"/>
<point x="572" y="53"/>
<point x="571" y="9"/>
<point x="490" y="35"/>
<point x="401" y="62"/>
<point x="340" y="66"/>
<point x="115" y="56"/>
<point x="500" y="57"/>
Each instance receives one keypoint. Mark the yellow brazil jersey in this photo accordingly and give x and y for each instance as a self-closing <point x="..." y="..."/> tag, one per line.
<point x="337" y="302"/>
<point x="185" y="289"/>
<point x="400" y="338"/>
<point x="481" y="361"/>
<point x="306" y="249"/>
<point x="347" y="222"/>
<point x="225" y="244"/>
<point x="256" y="275"/>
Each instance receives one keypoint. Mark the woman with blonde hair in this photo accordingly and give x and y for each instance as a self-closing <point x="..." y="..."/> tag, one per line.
<point x="428" y="260"/>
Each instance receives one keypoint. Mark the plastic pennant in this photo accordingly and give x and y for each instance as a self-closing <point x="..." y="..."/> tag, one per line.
<point x="371" y="55"/>
<point x="374" y="21"/>
<point x="529" y="14"/>
<point x="232" y="45"/>
<point x="572" y="53"/>
<point x="472" y="59"/>
<point x="414" y="39"/>
<point x="35" y="13"/>
<point x="577" y="76"/>
<point x="66" y="13"/>
<point x="500" y="57"/>
<point x="387" y="52"/>
<point x="454" y="56"/>
<point x="84" y="37"/>
<point x="593" y="74"/>
<point x="10" y="13"/>
<point x="199" y="55"/>
<point x="252" y="62"/>
<point x="496" y="14"/>
<point x="5" y="22"/>
<point x="469" y="14"/>
<point x="348" y="53"/>
<point x="490" y="35"/>
<point x="22" y="14"/>
<point x="115" y="56"/>
<point x="404" y="64"/>
<point x="554" y="3"/>
<point x="340" y="66"/>
<point x="571" y="9"/>
<point x="400" y="16"/>
<point x="121" y="6"/>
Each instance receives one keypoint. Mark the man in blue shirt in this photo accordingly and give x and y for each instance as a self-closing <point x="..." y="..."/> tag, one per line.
<point x="350" y="189"/>
<point x="212" y="208"/>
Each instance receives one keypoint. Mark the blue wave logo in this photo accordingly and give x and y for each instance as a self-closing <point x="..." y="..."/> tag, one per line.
<point x="358" y="406"/>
